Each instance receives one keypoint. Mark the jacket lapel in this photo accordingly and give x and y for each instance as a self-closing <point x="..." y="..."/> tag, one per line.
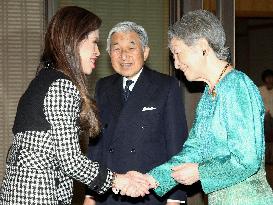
<point x="137" y="99"/>
<point x="140" y="93"/>
<point x="115" y="97"/>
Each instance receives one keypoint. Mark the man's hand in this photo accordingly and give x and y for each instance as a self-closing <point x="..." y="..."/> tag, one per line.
<point x="186" y="173"/>
<point x="89" y="201"/>
<point x="173" y="203"/>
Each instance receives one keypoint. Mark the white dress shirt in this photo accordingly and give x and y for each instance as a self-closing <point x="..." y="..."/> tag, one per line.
<point x="134" y="79"/>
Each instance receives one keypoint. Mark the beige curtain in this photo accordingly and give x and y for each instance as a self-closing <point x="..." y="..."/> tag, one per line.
<point x="21" y="33"/>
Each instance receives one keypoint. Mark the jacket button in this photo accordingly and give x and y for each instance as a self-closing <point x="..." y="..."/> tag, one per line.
<point x="105" y="126"/>
<point x="111" y="150"/>
<point x="133" y="150"/>
<point x="95" y="187"/>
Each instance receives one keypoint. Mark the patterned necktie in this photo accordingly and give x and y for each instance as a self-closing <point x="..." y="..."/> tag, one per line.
<point x="126" y="92"/>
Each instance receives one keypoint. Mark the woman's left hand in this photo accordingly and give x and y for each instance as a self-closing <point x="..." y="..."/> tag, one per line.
<point x="186" y="173"/>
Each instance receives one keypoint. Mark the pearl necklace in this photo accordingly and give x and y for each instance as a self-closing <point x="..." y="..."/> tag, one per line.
<point x="213" y="91"/>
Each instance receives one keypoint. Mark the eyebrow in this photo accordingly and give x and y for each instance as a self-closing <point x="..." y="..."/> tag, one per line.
<point x="114" y="44"/>
<point x="132" y="42"/>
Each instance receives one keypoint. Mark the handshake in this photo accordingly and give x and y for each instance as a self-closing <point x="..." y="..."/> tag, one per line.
<point x="133" y="184"/>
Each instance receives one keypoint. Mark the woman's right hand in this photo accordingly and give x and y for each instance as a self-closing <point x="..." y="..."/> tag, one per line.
<point x="133" y="184"/>
<point x="152" y="182"/>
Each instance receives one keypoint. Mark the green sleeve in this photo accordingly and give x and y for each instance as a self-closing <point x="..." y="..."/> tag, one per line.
<point x="162" y="173"/>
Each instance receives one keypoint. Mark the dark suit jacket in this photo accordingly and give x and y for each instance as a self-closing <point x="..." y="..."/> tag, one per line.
<point x="135" y="139"/>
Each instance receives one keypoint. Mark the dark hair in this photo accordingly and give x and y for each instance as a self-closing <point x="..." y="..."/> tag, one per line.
<point x="266" y="73"/>
<point x="67" y="28"/>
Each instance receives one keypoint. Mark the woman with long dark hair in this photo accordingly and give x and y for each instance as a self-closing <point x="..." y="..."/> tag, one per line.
<point x="45" y="154"/>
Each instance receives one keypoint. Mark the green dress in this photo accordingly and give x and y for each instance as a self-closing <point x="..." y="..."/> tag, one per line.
<point x="227" y="141"/>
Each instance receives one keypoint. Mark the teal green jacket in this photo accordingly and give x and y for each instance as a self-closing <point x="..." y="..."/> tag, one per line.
<point x="227" y="141"/>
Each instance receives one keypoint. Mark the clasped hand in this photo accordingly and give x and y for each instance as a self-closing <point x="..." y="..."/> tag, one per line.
<point x="186" y="173"/>
<point x="134" y="184"/>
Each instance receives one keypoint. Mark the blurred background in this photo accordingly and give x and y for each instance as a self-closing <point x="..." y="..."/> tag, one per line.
<point x="248" y="24"/>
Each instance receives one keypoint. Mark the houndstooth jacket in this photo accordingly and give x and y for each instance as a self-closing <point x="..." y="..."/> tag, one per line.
<point x="45" y="154"/>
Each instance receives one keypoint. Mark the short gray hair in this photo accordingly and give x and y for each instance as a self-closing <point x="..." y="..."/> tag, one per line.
<point x="201" y="24"/>
<point x="128" y="26"/>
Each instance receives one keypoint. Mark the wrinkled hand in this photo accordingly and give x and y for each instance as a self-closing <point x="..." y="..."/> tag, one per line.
<point x="149" y="179"/>
<point x="133" y="184"/>
<point x="186" y="173"/>
<point x="152" y="182"/>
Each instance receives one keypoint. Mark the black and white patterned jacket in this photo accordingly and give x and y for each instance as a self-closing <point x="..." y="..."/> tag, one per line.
<point x="45" y="154"/>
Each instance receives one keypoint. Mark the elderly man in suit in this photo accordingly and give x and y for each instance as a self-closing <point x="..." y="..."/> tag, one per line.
<point x="142" y="115"/>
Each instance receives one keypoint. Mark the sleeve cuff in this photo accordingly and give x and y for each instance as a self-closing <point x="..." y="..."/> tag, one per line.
<point x="89" y="196"/>
<point x="108" y="183"/>
<point x="177" y="201"/>
<point x="102" y="181"/>
<point x="164" y="179"/>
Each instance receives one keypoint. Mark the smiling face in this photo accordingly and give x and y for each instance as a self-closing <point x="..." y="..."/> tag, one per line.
<point x="188" y="59"/>
<point x="89" y="52"/>
<point x="126" y="53"/>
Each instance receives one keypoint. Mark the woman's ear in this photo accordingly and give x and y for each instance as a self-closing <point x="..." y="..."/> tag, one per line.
<point x="203" y="45"/>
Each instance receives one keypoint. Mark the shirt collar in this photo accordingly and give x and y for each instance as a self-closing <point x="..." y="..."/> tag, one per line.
<point x="134" y="79"/>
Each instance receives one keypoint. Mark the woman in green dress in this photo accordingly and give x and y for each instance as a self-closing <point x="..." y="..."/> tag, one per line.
<point x="225" y="147"/>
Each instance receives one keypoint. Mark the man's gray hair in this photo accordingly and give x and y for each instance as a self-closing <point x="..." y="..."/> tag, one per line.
<point x="128" y="26"/>
<point x="201" y="24"/>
